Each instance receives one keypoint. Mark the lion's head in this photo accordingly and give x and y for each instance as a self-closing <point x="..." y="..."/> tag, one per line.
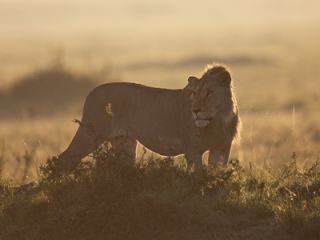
<point x="211" y="95"/>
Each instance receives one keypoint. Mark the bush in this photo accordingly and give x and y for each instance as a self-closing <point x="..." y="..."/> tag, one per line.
<point x="109" y="198"/>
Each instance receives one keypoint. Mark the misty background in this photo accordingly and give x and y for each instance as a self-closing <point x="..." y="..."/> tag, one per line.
<point x="52" y="53"/>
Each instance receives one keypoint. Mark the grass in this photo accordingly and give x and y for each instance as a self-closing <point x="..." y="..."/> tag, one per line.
<point x="109" y="198"/>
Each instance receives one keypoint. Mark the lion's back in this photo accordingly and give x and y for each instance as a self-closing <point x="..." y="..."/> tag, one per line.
<point x="138" y="102"/>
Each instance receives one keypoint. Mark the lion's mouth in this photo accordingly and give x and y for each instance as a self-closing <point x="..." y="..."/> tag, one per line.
<point x="201" y="119"/>
<point x="202" y="123"/>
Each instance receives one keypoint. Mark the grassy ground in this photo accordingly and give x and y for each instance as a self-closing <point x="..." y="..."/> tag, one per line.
<point x="268" y="141"/>
<point x="110" y="198"/>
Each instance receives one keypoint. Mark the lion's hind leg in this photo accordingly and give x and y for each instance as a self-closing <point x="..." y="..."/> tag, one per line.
<point x="124" y="146"/>
<point x="83" y="143"/>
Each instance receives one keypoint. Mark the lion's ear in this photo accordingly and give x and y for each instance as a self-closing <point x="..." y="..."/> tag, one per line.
<point x="224" y="78"/>
<point x="192" y="83"/>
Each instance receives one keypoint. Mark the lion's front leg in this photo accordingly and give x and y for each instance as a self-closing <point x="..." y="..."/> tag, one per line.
<point x="194" y="160"/>
<point x="219" y="155"/>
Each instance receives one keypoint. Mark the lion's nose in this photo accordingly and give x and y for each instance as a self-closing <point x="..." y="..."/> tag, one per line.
<point x="196" y="110"/>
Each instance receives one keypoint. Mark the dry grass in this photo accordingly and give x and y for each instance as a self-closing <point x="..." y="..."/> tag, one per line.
<point x="268" y="140"/>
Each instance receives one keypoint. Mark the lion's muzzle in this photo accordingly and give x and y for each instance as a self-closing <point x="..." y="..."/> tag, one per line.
<point x="201" y="119"/>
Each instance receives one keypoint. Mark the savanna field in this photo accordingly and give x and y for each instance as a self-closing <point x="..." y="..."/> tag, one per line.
<point x="271" y="186"/>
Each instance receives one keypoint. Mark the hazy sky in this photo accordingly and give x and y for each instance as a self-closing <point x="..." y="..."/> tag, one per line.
<point x="72" y="17"/>
<point x="32" y="30"/>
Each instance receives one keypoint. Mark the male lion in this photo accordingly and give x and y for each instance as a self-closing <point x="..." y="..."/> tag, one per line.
<point x="202" y="116"/>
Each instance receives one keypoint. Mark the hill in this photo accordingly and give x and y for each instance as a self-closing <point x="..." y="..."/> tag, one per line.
<point x="46" y="92"/>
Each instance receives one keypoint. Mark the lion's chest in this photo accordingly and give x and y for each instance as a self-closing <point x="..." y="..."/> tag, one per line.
<point x="211" y="137"/>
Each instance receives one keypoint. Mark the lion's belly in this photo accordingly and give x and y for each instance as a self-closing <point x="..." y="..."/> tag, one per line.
<point x="163" y="146"/>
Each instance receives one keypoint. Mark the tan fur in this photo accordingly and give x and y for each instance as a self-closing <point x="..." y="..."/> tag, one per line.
<point x="202" y="116"/>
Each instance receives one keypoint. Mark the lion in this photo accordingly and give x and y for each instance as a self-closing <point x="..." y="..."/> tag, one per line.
<point x="201" y="117"/>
